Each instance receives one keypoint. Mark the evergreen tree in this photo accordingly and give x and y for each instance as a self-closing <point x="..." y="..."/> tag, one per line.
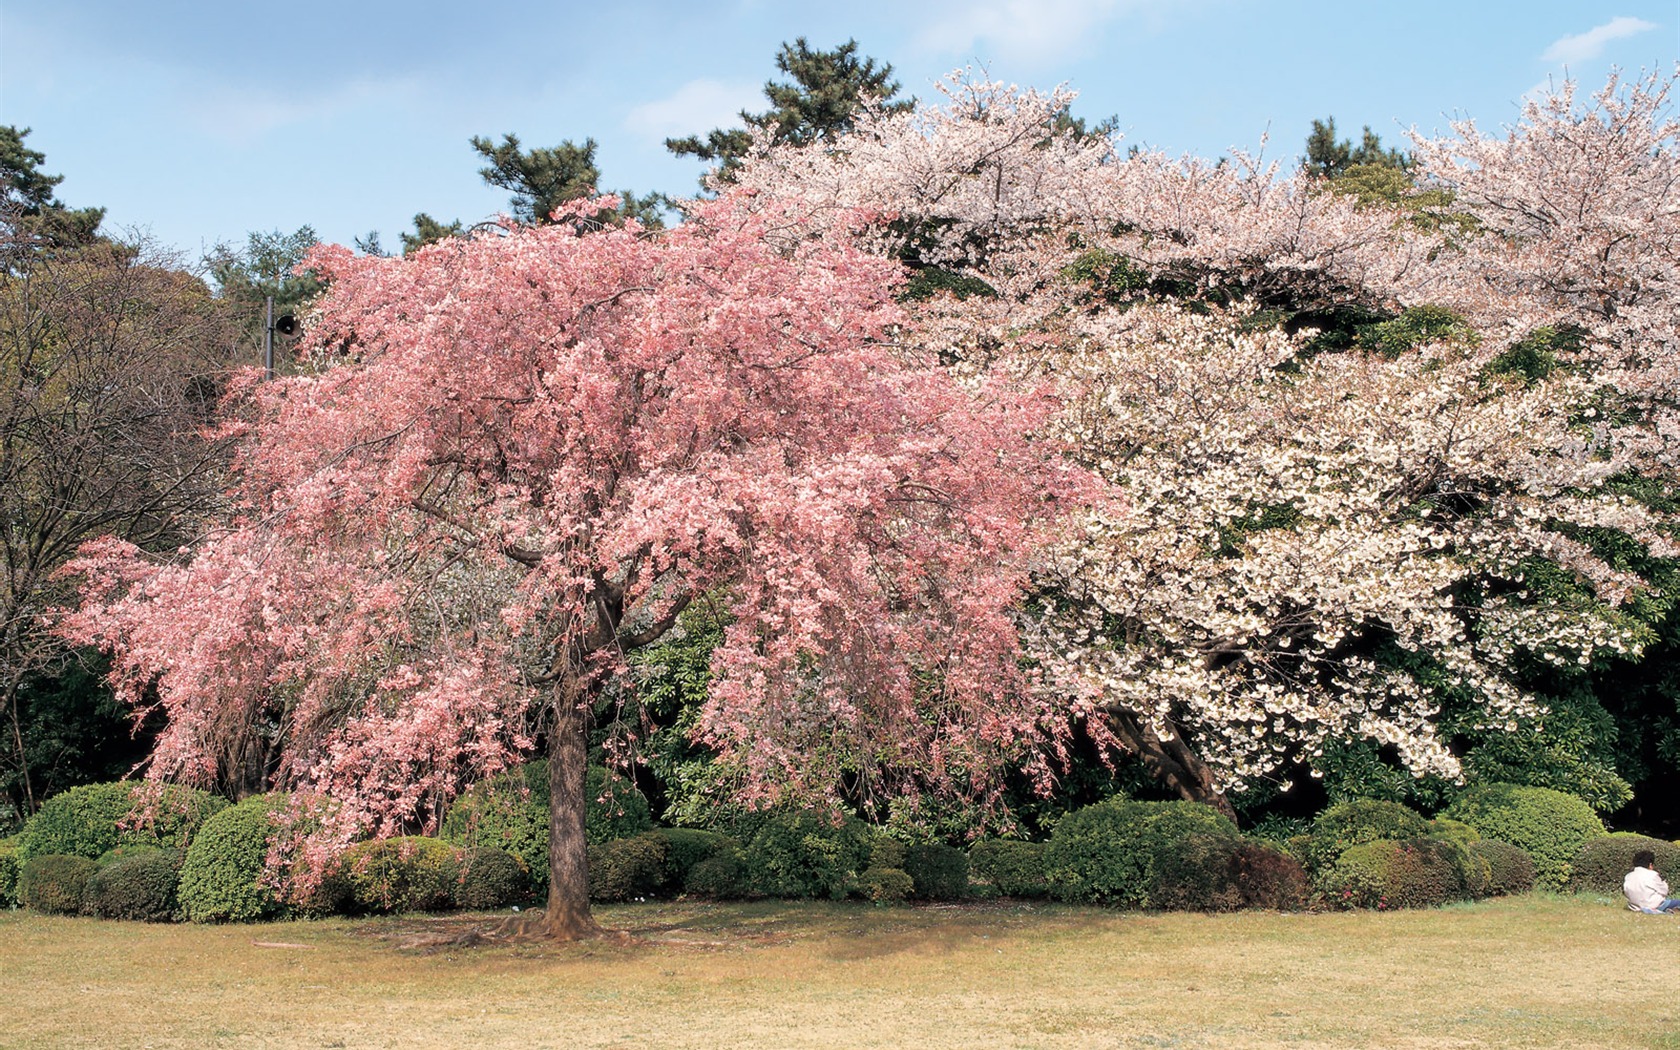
<point x="1328" y="157"/>
<point x="27" y="200"/>
<point x="818" y="103"/>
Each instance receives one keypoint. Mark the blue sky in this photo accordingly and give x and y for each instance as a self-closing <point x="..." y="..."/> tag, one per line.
<point x="199" y="122"/>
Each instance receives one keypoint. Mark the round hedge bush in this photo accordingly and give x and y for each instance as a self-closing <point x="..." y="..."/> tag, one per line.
<point x="138" y="885"/>
<point x="938" y="872"/>
<point x="1510" y="870"/>
<point x="85" y="821"/>
<point x="686" y="847"/>
<point x="722" y="876"/>
<point x="799" y="854"/>
<point x="1550" y="825"/>
<point x="490" y="878"/>
<point x="1010" y="867"/>
<point x="1385" y="874"/>
<point x="509" y="812"/>
<point x="221" y="876"/>
<point x="627" y="869"/>
<point x="401" y="874"/>
<point x="1357" y="822"/>
<point x="1225" y="873"/>
<point x="9" y="871"/>
<point x="1108" y="853"/>
<point x="55" y="883"/>
<point x="886" y="885"/>
<point x="1603" y="862"/>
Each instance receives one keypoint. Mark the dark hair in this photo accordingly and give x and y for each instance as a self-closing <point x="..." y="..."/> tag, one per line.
<point x="1644" y="859"/>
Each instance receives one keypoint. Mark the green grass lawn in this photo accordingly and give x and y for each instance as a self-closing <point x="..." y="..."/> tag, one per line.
<point x="1537" y="971"/>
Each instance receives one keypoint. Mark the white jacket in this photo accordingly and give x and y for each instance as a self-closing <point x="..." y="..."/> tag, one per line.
<point x="1645" y="889"/>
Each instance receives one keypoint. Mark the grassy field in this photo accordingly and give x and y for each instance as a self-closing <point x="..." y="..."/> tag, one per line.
<point x="1541" y="971"/>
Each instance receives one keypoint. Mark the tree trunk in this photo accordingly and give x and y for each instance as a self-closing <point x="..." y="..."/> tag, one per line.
<point x="567" y="916"/>
<point x="1171" y="761"/>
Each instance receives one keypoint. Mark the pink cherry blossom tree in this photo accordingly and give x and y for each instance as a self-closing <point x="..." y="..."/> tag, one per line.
<point x="522" y="456"/>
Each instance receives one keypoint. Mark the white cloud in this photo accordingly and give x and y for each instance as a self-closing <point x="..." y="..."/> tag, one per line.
<point x="694" y="109"/>
<point x="1583" y="47"/>
<point x="1031" y="31"/>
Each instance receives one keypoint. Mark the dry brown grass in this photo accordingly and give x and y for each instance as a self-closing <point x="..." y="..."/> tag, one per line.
<point x="1552" y="972"/>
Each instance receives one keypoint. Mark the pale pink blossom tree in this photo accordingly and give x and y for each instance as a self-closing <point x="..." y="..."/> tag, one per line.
<point x="522" y="456"/>
<point x="1301" y="547"/>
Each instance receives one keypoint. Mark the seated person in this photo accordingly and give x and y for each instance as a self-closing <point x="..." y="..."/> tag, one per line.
<point x="1645" y="889"/>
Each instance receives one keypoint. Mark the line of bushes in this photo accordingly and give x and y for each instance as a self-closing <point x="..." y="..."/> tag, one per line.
<point x="207" y="861"/>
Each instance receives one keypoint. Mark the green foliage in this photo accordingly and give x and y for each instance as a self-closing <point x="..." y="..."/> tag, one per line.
<point x="544" y="178"/>
<point x="1385" y="874"/>
<point x="886" y="885"/>
<point x="263" y="268"/>
<point x="1111" y="278"/>
<point x="816" y="105"/>
<point x="1218" y="872"/>
<point x="74" y="731"/>
<point x="138" y="885"/>
<point x="55" y="883"/>
<point x="489" y="878"/>
<point x="798" y="853"/>
<point x="1415" y="327"/>
<point x="1550" y="825"/>
<point x="1012" y="867"/>
<point x="27" y="195"/>
<point x="9" y="865"/>
<point x="722" y="876"/>
<point x="685" y="848"/>
<point x="627" y="869"/>
<point x="1107" y="853"/>
<point x="1357" y="822"/>
<point x="1536" y="356"/>
<point x="221" y="878"/>
<point x="84" y="821"/>
<point x="1603" y="862"/>
<point x="929" y="281"/>
<point x="1453" y="831"/>
<point x="510" y="812"/>
<point x="938" y="872"/>
<point x="1510" y="870"/>
<point x="428" y="230"/>
<point x="401" y="874"/>
<point x="1326" y="156"/>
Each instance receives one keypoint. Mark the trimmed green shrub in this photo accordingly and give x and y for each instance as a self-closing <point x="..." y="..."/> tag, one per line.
<point x="722" y="876"/>
<point x="510" y="812"/>
<point x="1357" y="822"/>
<point x="138" y="885"/>
<point x="489" y="878"/>
<point x="1225" y="873"/>
<point x="627" y="869"/>
<point x="1010" y="866"/>
<point x="1107" y="853"/>
<point x="84" y="821"/>
<point x="1603" y="862"/>
<point x="1268" y="877"/>
<point x="9" y="872"/>
<point x="886" y="885"/>
<point x="221" y="876"/>
<point x="939" y="872"/>
<point x="400" y="874"/>
<point x="686" y="847"/>
<point x="1550" y="825"/>
<point x="797" y="854"/>
<point x="1197" y="876"/>
<point x="55" y="883"/>
<point x="1510" y="870"/>
<point x="1453" y="830"/>
<point x="1386" y="874"/>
